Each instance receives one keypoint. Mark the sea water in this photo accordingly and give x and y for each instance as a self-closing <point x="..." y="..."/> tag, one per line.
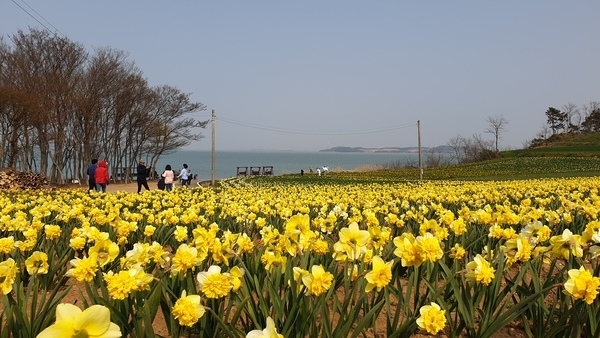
<point x="226" y="162"/>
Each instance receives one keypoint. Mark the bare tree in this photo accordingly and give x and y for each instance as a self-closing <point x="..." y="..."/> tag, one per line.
<point x="458" y="145"/>
<point x="172" y="130"/>
<point x="472" y="149"/>
<point x="496" y="125"/>
<point x="544" y="132"/>
<point x="587" y="110"/>
<point x="46" y="68"/>
<point x="571" y="112"/>
<point x="15" y="104"/>
<point x="540" y="137"/>
<point x="478" y="149"/>
<point x="592" y="122"/>
<point x="60" y="107"/>
<point x="435" y="158"/>
<point x="95" y="98"/>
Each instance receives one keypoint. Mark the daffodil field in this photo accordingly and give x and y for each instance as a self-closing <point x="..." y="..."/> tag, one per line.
<point x="255" y="258"/>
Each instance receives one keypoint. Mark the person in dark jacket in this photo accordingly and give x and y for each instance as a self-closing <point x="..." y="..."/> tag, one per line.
<point x="90" y="172"/>
<point x="142" y="176"/>
<point x="101" y="176"/>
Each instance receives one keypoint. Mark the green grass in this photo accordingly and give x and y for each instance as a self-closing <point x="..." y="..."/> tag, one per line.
<point x="562" y="151"/>
<point x="563" y="156"/>
<point x="562" y="145"/>
<point x="520" y="168"/>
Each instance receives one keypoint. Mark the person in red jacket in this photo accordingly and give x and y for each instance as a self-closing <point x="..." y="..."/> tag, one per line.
<point x="101" y="176"/>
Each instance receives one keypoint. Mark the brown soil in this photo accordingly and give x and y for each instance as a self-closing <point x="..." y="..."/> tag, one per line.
<point x="131" y="187"/>
<point x="160" y="328"/>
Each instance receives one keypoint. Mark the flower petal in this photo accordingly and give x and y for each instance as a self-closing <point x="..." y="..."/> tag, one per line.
<point x="95" y="320"/>
<point x="62" y="329"/>
<point x="113" y="332"/>
<point x="67" y="312"/>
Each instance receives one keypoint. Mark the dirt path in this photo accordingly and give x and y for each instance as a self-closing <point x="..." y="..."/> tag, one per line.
<point x="132" y="187"/>
<point x="129" y="187"/>
<point x="114" y="187"/>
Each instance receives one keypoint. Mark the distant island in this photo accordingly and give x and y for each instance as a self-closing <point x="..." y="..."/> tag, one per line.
<point x="415" y="150"/>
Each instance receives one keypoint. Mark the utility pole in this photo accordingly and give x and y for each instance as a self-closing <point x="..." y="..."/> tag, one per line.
<point x="419" y="140"/>
<point x="212" y="181"/>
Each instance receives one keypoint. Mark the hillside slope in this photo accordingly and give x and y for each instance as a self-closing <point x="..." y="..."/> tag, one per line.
<point x="561" y="145"/>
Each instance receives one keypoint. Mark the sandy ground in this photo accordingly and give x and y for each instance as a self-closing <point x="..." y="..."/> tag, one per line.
<point x="132" y="187"/>
<point x="129" y="187"/>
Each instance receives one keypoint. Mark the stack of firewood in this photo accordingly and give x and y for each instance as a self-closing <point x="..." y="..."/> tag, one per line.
<point x="10" y="178"/>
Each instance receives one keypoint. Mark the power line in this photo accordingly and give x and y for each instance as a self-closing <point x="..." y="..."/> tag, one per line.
<point x="41" y="16"/>
<point x="244" y="124"/>
<point x="309" y="132"/>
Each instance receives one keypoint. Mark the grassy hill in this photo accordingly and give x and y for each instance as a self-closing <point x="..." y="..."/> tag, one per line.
<point x="562" y="145"/>
<point x="560" y="156"/>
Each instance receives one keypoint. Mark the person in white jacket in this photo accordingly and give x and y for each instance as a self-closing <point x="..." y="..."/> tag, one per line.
<point x="183" y="175"/>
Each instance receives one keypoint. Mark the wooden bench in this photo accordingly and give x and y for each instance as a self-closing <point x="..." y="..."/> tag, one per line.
<point x="267" y="170"/>
<point x="242" y="171"/>
<point x="254" y="171"/>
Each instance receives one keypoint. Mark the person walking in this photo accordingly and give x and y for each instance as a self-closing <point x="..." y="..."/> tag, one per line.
<point x="183" y="176"/>
<point x="101" y="177"/>
<point x="91" y="170"/>
<point x="169" y="177"/>
<point x="142" y="176"/>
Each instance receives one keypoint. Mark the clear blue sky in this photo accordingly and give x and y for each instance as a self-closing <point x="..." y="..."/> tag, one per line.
<point x="309" y="75"/>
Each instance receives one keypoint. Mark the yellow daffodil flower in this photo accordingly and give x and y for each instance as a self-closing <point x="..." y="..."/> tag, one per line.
<point x="188" y="309"/>
<point x="318" y="281"/>
<point x="8" y="273"/>
<point x="566" y="244"/>
<point x="93" y="322"/>
<point x="37" y="263"/>
<point x="106" y="251"/>
<point x="480" y="271"/>
<point x="185" y="259"/>
<point x="582" y="285"/>
<point x="352" y="243"/>
<point x="457" y="252"/>
<point x="213" y="283"/>
<point x="84" y="269"/>
<point x="432" y="318"/>
<point x="380" y="276"/>
<point x="269" y="332"/>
